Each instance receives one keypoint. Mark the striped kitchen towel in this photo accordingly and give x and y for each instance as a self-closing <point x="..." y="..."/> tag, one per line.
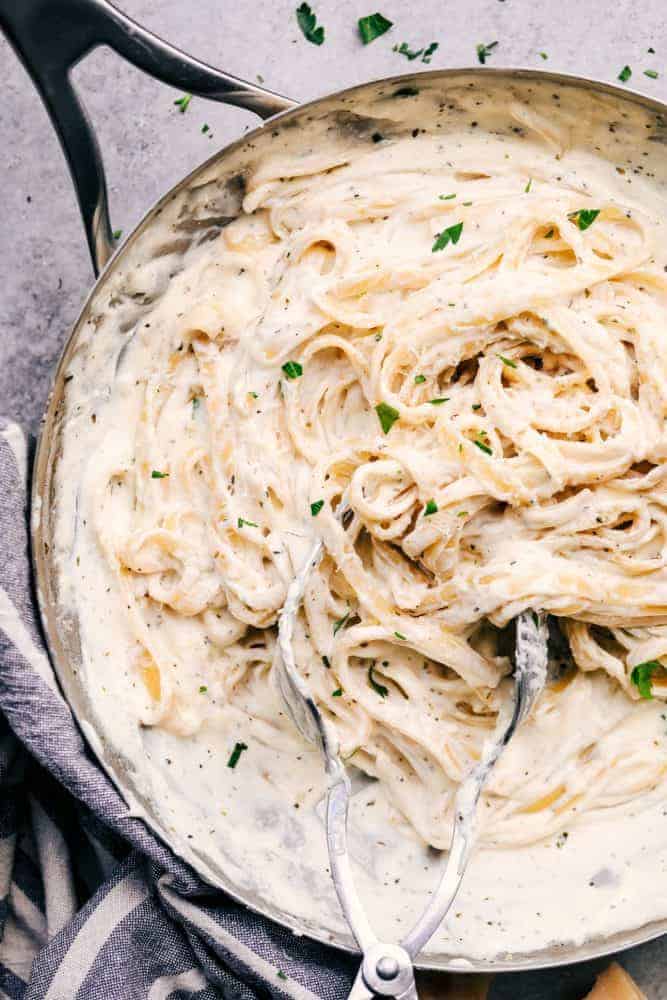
<point x="92" y="905"/>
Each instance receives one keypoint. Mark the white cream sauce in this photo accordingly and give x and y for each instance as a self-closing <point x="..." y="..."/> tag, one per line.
<point x="331" y="268"/>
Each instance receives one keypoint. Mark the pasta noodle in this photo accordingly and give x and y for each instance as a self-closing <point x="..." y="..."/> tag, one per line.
<point x="473" y="349"/>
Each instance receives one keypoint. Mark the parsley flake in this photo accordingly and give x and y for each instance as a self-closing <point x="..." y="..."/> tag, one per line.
<point x="429" y="51"/>
<point x="438" y="400"/>
<point x="183" y="102"/>
<point x="625" y="74"/>
<point x="651" y="73"/>
<point x="205" y="128"/>
<point x="241" y="521"/>
<point x="544" y="55"/>
<point x="203" y="689"/>
<point x="419" y="379"/>
<point x="462" y="513"/>
<point x="337" y="693"/>
<point x="507" y="361"/>
<point x="641" y="677"/>
<point x="379" y="688"/>
<point x="404" y="50"/>
<point x="117" y="233"/>
<point x="446" y="197"/>
<point x="293" y="369"/>
<point x="483" y="447"/>
<point x="387" y="416"/>
<point x="584" y="217"/>
<point x="528" y="185"/>
<point x="450" y="235"/>
<point x="484" y="51"/>
<point x="316" y="507"/>
<point x="477" y="406"/>
<point x="341" y="623"/>
<point x="399" y="635"/>
<point x="159" y="475"/>
<point x="372" y="26"/>
<point x="236" y="754"/>
<point x="430" y="508"/>
<point x="307" y="21"/>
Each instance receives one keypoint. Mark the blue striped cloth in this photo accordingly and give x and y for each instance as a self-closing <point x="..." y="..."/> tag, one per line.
<point x="92" y="904"/>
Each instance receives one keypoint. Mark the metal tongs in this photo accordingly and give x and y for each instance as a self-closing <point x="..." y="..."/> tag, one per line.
<point x="387" y="969"/>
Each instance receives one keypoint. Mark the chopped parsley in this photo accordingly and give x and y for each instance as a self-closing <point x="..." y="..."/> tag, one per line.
<point x="337" y="693"/>
<point x="426" y="53"/>
<point x="528" y="185"/>
<point x="236" y="754"/>
<point x="438" y="400"/>
<point x="117" y="233"/>
<point x="477" y="406"/>
<point x="483" y="447"/>
<point x="379" y="688"/>
<point x="462" y="513"/>
<point x="544" y="55"/>
<point x="204" y="128"/>
<point x="651" y="73"/>
<point x="399" y="635"/>
<point x="203" y="689"/>
<point x="625" y="74"/>
<point x="255" y="395"/>
<point x="316" y="507"/>
<point x="450" y="235"/>
<point x="507" y="361"/>
<point x="241" y="521"/>
<point x="159" y="475"/>
<point x="183" y="102"/>
<point x="430" y="508"/>
<point x="446" y="197"/>
<point x="419" y="379"/>
<point x="372" y="26"/>
<point x="293" y="369"/>
<point x="484" y="51"/>
<point x="641" y="677"/>
<point x="584" y="217"/>
<point x="281" y="974"/>
<point x="387" y="416"/>
<point x="307" y="21"/>
<point x="341" y="623"/>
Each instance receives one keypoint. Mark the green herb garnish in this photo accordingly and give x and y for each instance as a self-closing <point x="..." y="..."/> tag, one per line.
<point x="379" y="688"/>
<point x="584" y="217"/>
<point x="236" y="754"/>
<point x="438" y="400"/>
<point x="316" y="507"/>
<point x="372" y="26"/>
<point x="429" y="51"/>
<point x="183" y="102"/>
<point x="625" y="74"/>
<point x="307" y="21"/>
<point x="159" y="475"/>
<point x="399" y="635"/>
<point x="476" y="406"/>
<point x="419" y="379"/>
<point x="404" y="50"/>
<point x="341" y="623"/>
<point x="544" y="55"/>
<point x="204" y="128"/>
<point x="484" y="51"/>
<point x="507" y="361"/>
<point x="387" y="416"/>
<point x="528" y="185"/>
<point x="203" y="689"/>
<point x="446" y="197"/>
<point x="483" y="447"/>
<point x="241" y="521"/>
<point x="451" y="234"/>
<point x="293" y="369"/>
<point x="255" y="395"/>
<point x="117" y="233"/>
<point x="430" y="508"/>
<point x="651" y="73"/>
<point x="641" y="677"/>
<point x="337" y="693"/>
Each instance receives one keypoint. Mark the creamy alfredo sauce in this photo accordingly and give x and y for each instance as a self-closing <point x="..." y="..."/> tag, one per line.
<point x="466" y="334"/>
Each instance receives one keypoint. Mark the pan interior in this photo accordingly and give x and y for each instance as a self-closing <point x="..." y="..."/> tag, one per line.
<point x="238" y="848"/>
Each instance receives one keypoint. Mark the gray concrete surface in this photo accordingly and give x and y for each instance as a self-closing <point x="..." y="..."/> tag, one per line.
<point x="148" y="145"/>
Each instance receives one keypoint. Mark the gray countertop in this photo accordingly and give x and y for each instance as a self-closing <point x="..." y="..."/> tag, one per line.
<point x="148" y="145"/>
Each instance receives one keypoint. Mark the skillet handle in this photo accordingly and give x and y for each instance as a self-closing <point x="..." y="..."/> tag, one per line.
<point x="51" y="36"/>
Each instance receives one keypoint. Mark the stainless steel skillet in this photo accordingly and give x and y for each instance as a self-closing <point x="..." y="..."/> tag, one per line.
<point x="51" y="36"/>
